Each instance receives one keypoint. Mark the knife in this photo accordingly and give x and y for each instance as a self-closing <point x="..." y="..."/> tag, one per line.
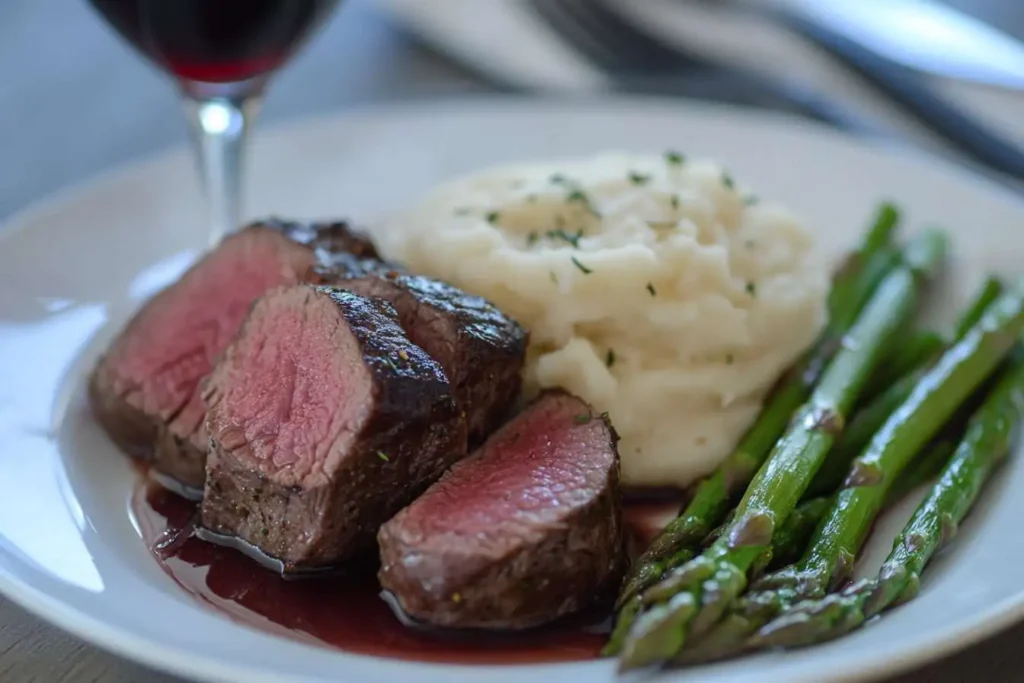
<point x="924" y="35"/>
<point x="905" y="86"/>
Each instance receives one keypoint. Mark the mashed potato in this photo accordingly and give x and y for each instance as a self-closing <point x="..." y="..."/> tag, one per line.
<point x="654" y="287"/>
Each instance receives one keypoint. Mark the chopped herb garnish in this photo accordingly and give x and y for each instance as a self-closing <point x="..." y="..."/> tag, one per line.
<point x="558" y="179"/>
<point x="582" y="418"/>
<point x="751" y="289"/>
<point x="638" y="178"/>
<point x="531" y="239"/>
<point x="728" y="359"/>
<point x="727" y="180"/>
<point x="674" y="158"/>
<point x="492" y="217"/>
<point x="577" y="196"/>
<point x="265" y="531"/>
<point x="675" y="201"/>
<point x="553" y="277"/>
<point x="403" y="354"/>
<point x="609" y="359"/>
<point x="571" y="238"/>
<point x="650" y="288"/>
<point x="383" y="456"/>
<point x="751" y="199"/>
<point x="583" y="268"/>
<point x="604" y="415"/>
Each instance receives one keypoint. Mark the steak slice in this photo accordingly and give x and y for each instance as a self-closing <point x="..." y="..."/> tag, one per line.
<point x="481" y="350"/>
<point x="145" y="389"/>
<point x="324" y="420"/>
<point x="525" y="530"/>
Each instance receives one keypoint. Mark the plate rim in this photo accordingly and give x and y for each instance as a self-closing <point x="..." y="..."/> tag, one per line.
<point x="187" y="663"/>
<point x="423" y="101"/>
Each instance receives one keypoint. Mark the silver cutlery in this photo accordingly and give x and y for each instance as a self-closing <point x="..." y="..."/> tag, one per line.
<point x="639" y="62"/>
<point x="925" y="35"/>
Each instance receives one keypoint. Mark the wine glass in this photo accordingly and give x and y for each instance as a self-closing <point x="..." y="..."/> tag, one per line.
<point x="221" y="54"/>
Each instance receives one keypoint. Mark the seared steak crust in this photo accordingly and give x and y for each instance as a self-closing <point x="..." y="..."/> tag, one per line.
<point x="331" y="510"/>
<point x="327" y="238"/>
<point x="542" y="548"/>
<point x="481" y="350"/>
<point x="120" y="403"/>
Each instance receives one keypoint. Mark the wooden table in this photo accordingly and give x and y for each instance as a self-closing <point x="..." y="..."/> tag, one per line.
<point x="74" y="101"/>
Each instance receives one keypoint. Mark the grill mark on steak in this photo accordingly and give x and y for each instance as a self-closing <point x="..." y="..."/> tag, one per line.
<point x="144" y="390"/>
<point x="527" y="529"/>
<point x="481" y="350"/>
<point x="308" y="482"/>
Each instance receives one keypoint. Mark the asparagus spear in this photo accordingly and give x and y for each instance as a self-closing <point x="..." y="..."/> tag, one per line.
<point x="858" y="434"/>
<point x="792" y="538"/>
<point x="962" y="369"/>
<point x="795" y="533"/>
<point x="840" y="534"/>
<point x="909" y="352"/>
<point x="990" y="290"/>
<point x="915" y="350"/>
<point x="923" y="469"/>
<point x="853" y="285"/>
<point x="869" y="419"/>
<point x="752" y="611"/>
<point x="986" y="443"/>
<point x="847" y="291"/>
<point x="693" y="597"/>
<point x="787" y="545"/>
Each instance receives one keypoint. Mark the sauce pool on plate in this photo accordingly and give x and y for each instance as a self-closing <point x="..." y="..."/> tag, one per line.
<point x="348" y="611"/>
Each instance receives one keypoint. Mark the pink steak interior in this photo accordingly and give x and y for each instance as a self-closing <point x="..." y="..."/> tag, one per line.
<point x="175" y="341"/>
<point x="292" y="391"/>
<point x="539" y="467"/>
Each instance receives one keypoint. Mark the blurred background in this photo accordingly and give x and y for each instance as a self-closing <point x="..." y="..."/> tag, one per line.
<point x="946" y="76"/>
<point x="76" y="99"/>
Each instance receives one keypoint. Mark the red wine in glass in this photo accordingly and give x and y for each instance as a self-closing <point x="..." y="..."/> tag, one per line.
<point x="221" y="52"/>
<point x="215" y="41"/>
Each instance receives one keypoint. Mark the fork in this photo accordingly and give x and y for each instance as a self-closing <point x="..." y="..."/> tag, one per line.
<point x="639" y="62"/>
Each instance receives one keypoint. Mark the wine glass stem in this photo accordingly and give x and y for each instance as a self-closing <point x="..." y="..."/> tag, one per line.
<point x="220" y="127"/>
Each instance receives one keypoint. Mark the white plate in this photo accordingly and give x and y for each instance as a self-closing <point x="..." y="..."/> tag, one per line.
<point x="72" y="270"/>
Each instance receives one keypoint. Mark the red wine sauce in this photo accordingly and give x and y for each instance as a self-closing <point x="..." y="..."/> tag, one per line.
<point x="348" y="611"/>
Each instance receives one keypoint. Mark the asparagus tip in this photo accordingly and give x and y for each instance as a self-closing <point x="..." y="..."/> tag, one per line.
<point x="926" y="251"/>
<point x="887" y="217"/>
